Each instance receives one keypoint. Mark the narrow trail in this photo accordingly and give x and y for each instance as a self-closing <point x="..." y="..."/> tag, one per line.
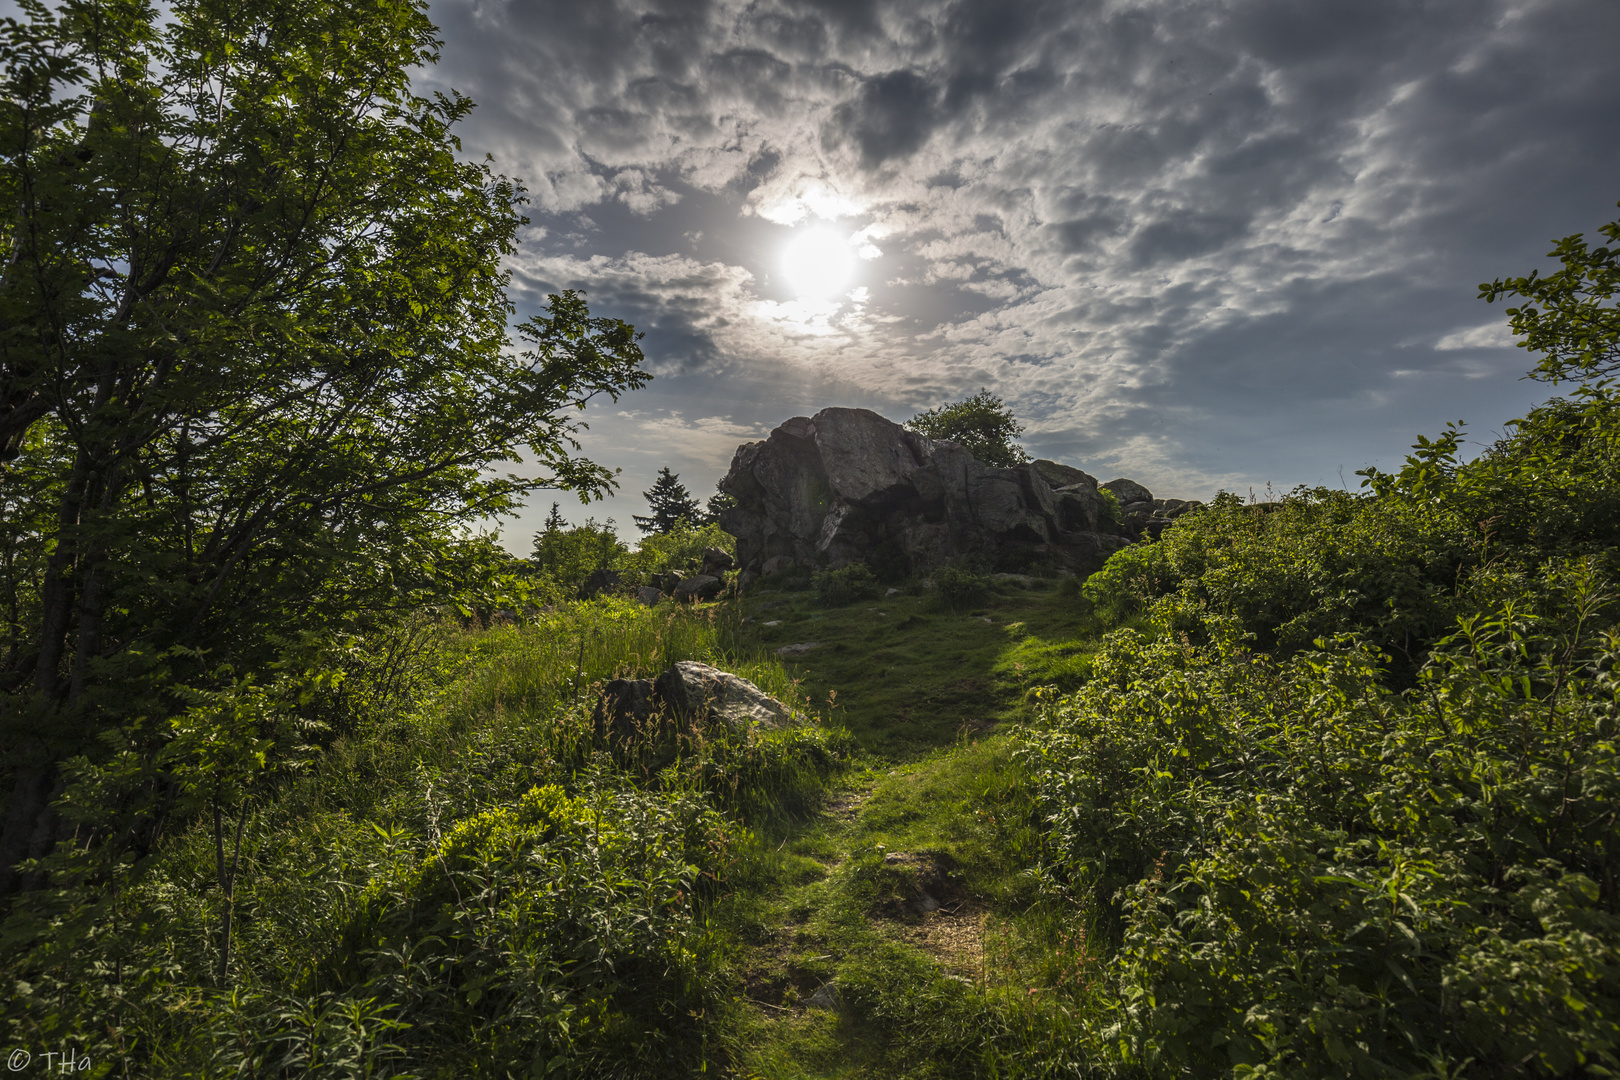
<point x="870" y="883"/>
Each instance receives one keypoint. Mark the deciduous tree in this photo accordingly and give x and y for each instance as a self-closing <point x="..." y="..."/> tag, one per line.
<point x="255" y="366"/>
<point x="982" y="425"/>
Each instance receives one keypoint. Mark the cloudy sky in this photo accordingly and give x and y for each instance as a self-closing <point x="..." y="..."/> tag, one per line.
<point x="1204" y="244"/>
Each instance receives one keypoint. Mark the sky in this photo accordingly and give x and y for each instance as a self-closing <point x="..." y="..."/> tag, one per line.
<point x="1209" y="244"/>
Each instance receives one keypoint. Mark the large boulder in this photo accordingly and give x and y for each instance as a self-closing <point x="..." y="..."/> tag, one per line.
<point x="599" y="581"/>
<point x="699" y="587"/>
<point x="636" y="708"/>
<point x="1129" y="491"/>
<point x="698" y="691"/>
<point x="847" y="485"/>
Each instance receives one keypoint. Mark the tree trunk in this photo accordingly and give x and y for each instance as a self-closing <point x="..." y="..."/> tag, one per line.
<point x="31" y="826"/>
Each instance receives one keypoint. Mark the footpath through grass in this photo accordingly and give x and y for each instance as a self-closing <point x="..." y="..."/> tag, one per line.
<point x="903" y="931"/>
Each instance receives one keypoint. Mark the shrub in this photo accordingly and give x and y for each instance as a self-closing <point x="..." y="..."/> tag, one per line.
<point x="681" y="548"/>
<point x="960" y="588"/>
<point x="558" y="935"/>
<point x="1304" y="870"/>
<point x="835" y="588"/>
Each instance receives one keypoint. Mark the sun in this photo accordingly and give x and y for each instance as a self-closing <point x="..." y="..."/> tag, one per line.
<point x="817" y="264"/>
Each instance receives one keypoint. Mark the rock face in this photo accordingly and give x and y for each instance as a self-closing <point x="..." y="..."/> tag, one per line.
<point x="847" y="485"/>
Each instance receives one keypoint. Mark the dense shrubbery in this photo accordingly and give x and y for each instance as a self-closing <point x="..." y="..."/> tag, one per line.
<point x="564" y="556"/>
<point x="835" y="588"/>
<point x="557" y="935"/>
<point x="680" y="548"/>
<point x="1303" y="869"/>
<point x="472" y="880"/>
<point x="1349" y="809"/>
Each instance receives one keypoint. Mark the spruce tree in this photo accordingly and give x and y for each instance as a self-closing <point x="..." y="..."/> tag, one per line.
<point x="718" y="504"/>
<point x="670" y="503"/>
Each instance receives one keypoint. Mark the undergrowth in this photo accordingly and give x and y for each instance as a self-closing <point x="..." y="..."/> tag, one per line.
<point x="478" y="881"/>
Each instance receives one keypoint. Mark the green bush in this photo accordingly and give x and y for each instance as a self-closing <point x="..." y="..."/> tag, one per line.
<point x="960" y="588"/>
<point x="556" y="937"/>
<point x="418" y="826"/>
<point x="681" y="548"/>
<point x="1302" y="869"/>
<point x="835" y="588"/>
<point x="565" y="557"/>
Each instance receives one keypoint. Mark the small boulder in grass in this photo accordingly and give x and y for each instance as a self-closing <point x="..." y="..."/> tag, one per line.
<point x="716" y="561"/>
<point x="699" y="691"/>
<point x="626" y="706"/>
<point x="701" y="587"/>
<point x="649" y="595"/>
<point x="798" y="648"/>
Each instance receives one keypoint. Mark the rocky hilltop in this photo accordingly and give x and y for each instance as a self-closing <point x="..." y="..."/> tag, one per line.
<point x="848" y="485"/>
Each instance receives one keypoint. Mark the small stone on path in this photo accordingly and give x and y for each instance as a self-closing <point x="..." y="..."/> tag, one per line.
<point x="798" y="649"/>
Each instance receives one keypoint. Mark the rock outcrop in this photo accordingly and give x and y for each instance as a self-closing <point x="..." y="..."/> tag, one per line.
<point x="848" y="485"/>
<point x="702" y="692"/>
<point x="691" y="691"/>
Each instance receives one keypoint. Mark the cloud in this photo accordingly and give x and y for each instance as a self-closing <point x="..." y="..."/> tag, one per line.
<point x="1251" y="216"/>
<point x="1492" y="335"/>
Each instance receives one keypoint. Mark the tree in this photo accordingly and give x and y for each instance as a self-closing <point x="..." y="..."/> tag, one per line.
<point x="568" y="556"/>
<point x="670" y="503"/>
<point x="982" y="425"/>
<point x="718" y="504"/>
<point x="1576" y="327"/>
<point x="254" y="354"/>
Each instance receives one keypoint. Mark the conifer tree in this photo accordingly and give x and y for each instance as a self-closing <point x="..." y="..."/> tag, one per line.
<point x="718" y="504"/>
<point x="670" y="503"/>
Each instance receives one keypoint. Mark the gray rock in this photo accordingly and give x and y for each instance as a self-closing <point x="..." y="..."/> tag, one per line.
<point x="649" y="595"/>
<point x="716" y="561"/>
<point x="694" y="690"/>
<point x="787" y="652"/>
<point x="599" y="581"/>
<point x="1062" y="476"/>
<point x="827" y="997"/>
<point x="1129" y="491"/>
<point x="849" y="486"/>
<point x="625" y="707"/>
<point x="700" y="587"/>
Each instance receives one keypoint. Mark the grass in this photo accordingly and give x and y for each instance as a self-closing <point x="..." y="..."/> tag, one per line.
<point x="901" y="935"/>
<point x="903" y="932"/>
<point x="393" y="899"/>
<point x="907" y="675"/>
